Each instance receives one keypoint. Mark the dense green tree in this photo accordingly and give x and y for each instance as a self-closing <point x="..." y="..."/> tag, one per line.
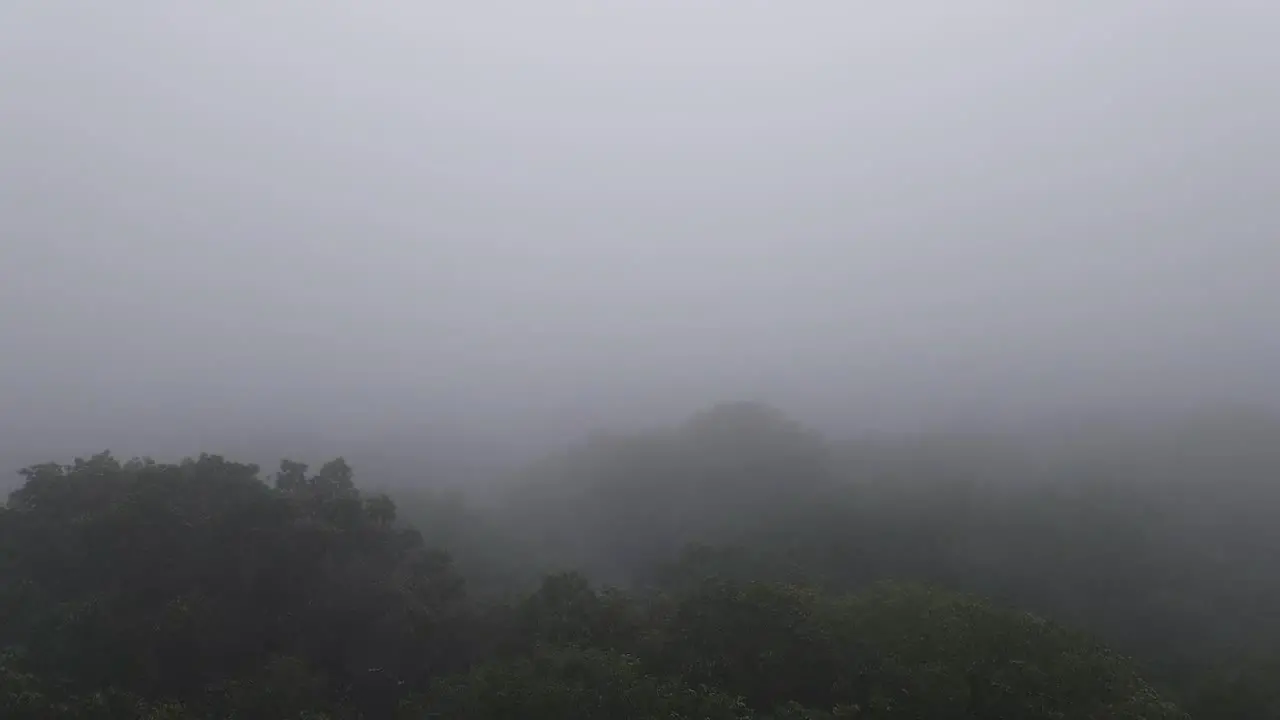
<point x="164" y="579"/>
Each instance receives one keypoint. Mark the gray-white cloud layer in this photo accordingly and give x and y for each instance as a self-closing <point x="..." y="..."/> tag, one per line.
<point x="515" y="214"/>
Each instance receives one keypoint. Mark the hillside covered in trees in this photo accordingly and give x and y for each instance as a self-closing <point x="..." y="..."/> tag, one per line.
<point x="737" y="565"/>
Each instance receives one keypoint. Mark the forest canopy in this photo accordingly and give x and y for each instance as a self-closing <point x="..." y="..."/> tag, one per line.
<point x="737" y="565"/>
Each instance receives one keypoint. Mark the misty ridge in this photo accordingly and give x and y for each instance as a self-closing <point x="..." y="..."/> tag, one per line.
<point x="639" y="360"/>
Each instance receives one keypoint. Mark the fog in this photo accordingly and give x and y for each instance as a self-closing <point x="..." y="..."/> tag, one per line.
<point x="515" y="222"/>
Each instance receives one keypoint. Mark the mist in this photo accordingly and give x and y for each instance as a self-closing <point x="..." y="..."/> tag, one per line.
<point x="639" y="359"/>
<point x="511" y="223"/>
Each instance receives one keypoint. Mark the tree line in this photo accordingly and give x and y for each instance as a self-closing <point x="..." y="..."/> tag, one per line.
<point x="738" y="565"/>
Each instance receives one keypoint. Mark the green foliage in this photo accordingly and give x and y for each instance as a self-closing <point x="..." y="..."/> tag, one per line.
<point x="565" y="610"/>
<point x="755" y="640"/>
<point x="1159" y="539"/>
<point x="895" y="651"/>
<point x="23" y="696"/>
<point x="749" y="557"/>
<point x="575" y="684"/>
<point x="925" y="652"/>
<point x="163" y="580"/>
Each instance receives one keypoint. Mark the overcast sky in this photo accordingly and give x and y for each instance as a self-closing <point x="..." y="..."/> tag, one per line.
<point x="521" y="214"/>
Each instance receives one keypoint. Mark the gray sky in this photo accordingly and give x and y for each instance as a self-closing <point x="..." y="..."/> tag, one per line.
<point x="506" y="215"/>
